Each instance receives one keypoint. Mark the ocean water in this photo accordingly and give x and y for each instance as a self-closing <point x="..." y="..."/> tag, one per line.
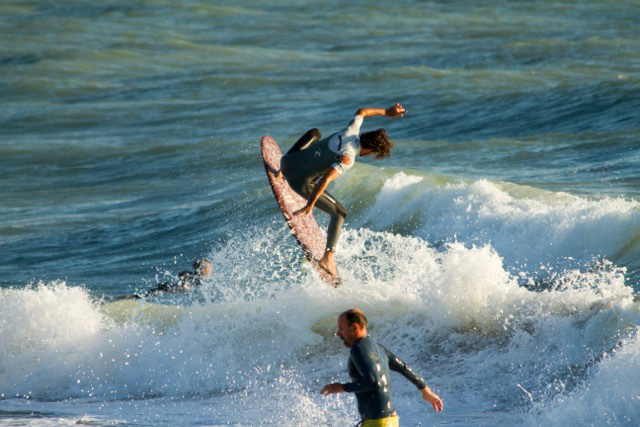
<point x="497" y="251"/>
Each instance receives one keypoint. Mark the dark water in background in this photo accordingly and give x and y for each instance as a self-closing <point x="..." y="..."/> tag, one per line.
<point x="129" y="142"/>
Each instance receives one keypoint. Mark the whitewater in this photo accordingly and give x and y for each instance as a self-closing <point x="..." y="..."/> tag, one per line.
<point x="497" y="343"/>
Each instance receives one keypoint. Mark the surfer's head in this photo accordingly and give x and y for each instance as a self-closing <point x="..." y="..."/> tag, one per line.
<point x="352" y="325"/>
<point x="376" y="142"/>
<point x="203" y="267"/>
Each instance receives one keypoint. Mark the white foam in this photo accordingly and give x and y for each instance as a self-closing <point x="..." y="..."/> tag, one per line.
<point x="264" y="342"/>
<point x="609" y="396"/>
<point x="526" y="226"/>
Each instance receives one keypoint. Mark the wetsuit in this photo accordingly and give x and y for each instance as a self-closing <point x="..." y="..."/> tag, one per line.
<point x="369" y="365"/>
<point x="186" y="280"/>
<point x="310" y="159"/>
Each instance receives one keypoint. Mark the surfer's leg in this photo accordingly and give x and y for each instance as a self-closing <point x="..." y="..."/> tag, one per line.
<point x="305" y="140"/>
<point x="338" y="213"/>
<point x="327" y="203"/>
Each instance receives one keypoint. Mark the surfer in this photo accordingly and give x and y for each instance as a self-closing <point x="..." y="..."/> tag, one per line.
<point x="187" y="280"/>
<point x="313" y="163"/>
<point x="369" y="364"/>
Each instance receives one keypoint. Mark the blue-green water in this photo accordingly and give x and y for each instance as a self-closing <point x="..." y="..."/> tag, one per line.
<point x="497" y="250"/>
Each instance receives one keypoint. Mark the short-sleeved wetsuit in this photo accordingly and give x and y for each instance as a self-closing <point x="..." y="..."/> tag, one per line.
<point x="311" y="158"/>
<point x="369" y="365"/>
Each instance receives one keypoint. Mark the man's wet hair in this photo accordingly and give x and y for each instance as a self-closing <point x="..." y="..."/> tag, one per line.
<point x="377" y="141"/>
<point x="355" y="316"/>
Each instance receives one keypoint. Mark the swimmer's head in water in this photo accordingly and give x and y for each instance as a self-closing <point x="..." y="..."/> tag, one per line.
<point x="377" y="142"/>
<point x="203" y="267"/>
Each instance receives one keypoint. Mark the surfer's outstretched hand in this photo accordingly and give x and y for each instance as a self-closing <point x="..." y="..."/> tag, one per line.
<point x="395" y="110"/>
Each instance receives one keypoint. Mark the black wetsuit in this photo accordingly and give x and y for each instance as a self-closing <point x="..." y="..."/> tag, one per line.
<point x="304" y="164"/>
<point x="186" y="281"/>
<point x="369" y="365"/>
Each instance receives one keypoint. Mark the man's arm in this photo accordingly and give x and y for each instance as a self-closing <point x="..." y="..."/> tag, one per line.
<point x="334" y="388"/>
<point x="430" y="397"/>
<point x="395" y="110"/>
<point x="369" y="376"/>
<point x="319" y="189"/>
<point x="397" y="365"/>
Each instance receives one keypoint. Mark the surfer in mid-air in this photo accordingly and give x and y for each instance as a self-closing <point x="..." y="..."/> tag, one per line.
<point x="313" y="163"/>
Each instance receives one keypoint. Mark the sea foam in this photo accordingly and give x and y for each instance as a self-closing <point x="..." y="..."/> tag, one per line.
<point x="455" y="313"/>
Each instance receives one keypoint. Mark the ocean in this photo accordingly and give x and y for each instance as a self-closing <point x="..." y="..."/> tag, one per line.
<point x="497" y="251"/>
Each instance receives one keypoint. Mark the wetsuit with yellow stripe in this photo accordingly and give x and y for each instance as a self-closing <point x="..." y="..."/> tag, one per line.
<point x="369" y="368"/>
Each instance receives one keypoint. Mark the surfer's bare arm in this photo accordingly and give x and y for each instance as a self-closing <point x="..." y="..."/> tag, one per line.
<point x="395" y="110"/>
<point x="328" y="178"/>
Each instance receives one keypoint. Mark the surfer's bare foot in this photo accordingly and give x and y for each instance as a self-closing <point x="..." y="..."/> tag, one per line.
<point x="328" y="263"/>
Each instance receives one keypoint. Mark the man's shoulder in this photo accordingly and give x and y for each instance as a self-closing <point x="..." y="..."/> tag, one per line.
<point x="344" y="144"/>
<point x="353" y="128"/>
<point x="366" y="343"/>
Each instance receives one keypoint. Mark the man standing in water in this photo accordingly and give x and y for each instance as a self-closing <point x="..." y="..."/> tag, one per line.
<point x="369" y="364"/>
<point x="313" y="163"/>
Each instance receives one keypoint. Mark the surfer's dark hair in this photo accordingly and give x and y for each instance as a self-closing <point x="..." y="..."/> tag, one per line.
<point x="377" y="141"/>
<point x="355" y="316"/>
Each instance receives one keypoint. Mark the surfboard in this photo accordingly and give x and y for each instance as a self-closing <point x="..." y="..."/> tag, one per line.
<point x="305" y="229"/>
